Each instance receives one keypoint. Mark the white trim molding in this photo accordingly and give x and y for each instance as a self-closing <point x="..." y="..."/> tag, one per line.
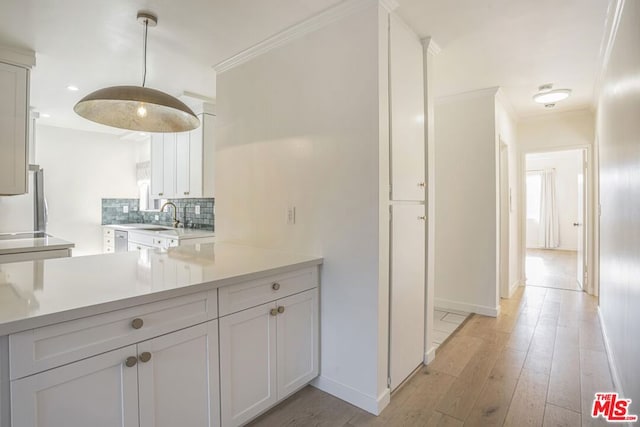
<point x="349" y="394"/>
<point x="316" y="22"/>
<point x="430" y="355"/>
<point x="617" y="385"/>
<point x="614" y="14"/>
<point x="430" y="46"/>
<point x="467" y="308"/>
<point x="19" y="57"/>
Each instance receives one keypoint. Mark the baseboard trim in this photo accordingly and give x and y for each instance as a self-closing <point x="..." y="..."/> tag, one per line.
<point x="610" y="357"/>
<point x="430" y="355"/>
<point x="514" y="286"/>
<point x="469" y="308"/>
<point x="351" y="395"/>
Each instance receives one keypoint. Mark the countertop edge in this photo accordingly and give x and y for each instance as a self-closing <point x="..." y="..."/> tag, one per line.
<point x="29" y="249"/>
<point x="21" y="325"/>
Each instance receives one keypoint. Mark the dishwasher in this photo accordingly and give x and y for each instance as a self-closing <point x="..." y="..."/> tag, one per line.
<point x="121" y="241"/>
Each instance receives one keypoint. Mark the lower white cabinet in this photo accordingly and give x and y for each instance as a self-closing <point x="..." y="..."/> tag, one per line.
<point x="266" y="353"/>
<point x="170" y="380"/>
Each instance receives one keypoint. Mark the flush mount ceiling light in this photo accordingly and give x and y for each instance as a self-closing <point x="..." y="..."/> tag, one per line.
<point x="547" y="95"/>
<point x="138" y="108"/>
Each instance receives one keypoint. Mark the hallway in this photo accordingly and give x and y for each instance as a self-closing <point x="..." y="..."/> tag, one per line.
<point x="552" y="268"/>
<point x="539" y="363"/>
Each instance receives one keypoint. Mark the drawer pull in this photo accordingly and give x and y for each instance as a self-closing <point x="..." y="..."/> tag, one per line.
<point x="422" y="184"/>
<point x="281" y="309"/>
<point x="273" y="312"/>
<point x="145" y="357"/>
<point x="130" y="362"/>
<point x="275" y="286"/>
<point x="137" y="323"/>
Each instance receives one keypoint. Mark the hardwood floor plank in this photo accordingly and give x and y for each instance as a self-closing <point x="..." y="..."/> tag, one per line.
<point x="594" y="377"/>
<point x="464" y="392"/>
<point x="439" y="419"/>
<point x="529" y="400"/>
<point x="453" y="357"/>
<point x="564" y="381"/>
<point x="554" y="416"/>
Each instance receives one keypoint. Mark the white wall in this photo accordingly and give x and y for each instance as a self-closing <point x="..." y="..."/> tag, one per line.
<point x="300" y="126"/>
<point x="81" y="168"/>
<point x="618" y="130"/>
<point x="466" y="199"/>
<point x="568" y="165"/>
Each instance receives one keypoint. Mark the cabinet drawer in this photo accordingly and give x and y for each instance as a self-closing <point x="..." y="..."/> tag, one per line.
<point x="239" y="297"/>
<point x="45" y="348"/>
<point x="108" y="241"/>
<point x="142" y="238"/>
<point x="108" y="232"/>
<point x="108" y="249"/>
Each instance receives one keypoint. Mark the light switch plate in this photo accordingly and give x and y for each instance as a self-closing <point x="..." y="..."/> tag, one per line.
<point x="197" y="209"/>
<point x="157" y="217"/>
<point x="125" y="209"/>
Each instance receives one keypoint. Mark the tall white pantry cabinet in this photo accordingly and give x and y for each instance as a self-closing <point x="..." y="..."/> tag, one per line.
<point x="407" y="170"/>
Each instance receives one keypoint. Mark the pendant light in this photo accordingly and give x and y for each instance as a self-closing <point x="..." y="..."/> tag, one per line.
<point x="138" y="108"/>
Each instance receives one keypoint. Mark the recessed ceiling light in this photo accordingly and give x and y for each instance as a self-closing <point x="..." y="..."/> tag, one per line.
<point x="72" y="88"/>
<point x="45" y="115"/>
<point x="547" y="95"/>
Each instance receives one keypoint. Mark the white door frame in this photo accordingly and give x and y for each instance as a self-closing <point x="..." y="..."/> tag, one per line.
<point x="589" y="217"/>
<point x="504" y="220"/>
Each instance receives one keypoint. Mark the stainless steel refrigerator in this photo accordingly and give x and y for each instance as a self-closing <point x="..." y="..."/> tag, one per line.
<point x="26" y="212"/>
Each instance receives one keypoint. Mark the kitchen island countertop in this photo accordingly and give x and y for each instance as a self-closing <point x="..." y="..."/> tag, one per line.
<point x="44" y="292"/>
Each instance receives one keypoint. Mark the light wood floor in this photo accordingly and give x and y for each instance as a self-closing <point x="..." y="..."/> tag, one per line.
<point x="552" y="268"/>
<point x="539" y="363"/>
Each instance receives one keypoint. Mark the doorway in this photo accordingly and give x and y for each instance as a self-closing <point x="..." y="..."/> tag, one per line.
<point x="555" y="203"/>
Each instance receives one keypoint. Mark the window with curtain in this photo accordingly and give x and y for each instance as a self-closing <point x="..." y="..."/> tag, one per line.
<point x="542" y="206"/>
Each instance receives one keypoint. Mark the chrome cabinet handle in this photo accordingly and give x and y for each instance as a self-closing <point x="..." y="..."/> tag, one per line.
<point x="137" y="323"/>
<point x="145" y="357"/>
<point x="423" y="218"/>
<point x="422" y="184"/>
<point x="281" y="309"/>
<point x="130" y="362"/>
<point x="186" y="193"/>
<point x="160" y="194"/>
<point x="275" y="286"/>
<point x="273" y="312"/>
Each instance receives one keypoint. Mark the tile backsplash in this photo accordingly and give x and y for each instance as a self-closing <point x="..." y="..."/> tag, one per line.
<point x="113" y="213"/>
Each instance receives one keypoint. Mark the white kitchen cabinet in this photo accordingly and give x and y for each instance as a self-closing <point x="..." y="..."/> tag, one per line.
<point x="179" y="382"/>
<point x="407" y="113"/>
<point x="247" y="363"/>
<point x="297" y="332"/>
<point x="166" y="381"/>
<point x="14" y="103"/>
<point x="182" y="163"/>
<point x="100" y="391"/>
<point x="407" y="299"/>
<point x="267" y="353"/>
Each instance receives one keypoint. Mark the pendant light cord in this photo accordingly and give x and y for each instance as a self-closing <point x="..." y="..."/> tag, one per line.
<point x="144" y="76"/>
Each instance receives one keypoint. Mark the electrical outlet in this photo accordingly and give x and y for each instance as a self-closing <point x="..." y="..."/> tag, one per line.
<point x="291" y="215"/>
<point x="157" y="217"/>
<point x="197" y="209"/>
<point x="125" y="209"/>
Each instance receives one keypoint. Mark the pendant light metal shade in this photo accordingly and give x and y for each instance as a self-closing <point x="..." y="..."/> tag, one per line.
<point x="137" y="108"/>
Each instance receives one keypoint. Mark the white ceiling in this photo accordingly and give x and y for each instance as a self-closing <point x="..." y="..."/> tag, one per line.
<point x="515" y="44"/>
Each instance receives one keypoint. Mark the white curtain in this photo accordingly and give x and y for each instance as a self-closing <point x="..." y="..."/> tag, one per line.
<point x="548" y="236"/>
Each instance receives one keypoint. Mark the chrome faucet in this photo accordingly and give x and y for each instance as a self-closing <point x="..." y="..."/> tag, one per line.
<point x="175" y="213"/>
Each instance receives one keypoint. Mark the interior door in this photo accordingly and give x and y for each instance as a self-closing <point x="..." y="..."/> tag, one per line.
<point x="99" y="391"/>
<point x="580" y="222"/>
<point x="178" y="378"/>
<point x="407" y="299"/>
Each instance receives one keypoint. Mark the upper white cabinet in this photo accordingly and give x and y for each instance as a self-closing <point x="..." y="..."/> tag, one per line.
<point x="14" y="104"/>
<point x="406" y="80"/>
<point x="182" y="163"/>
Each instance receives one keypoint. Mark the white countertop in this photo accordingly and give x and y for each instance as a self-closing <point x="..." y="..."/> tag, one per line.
<point x="49" y="243"/>
<point x="43" y="292"/>
<point x="172" y="233"/>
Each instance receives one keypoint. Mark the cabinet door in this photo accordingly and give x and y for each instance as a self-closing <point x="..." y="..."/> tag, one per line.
<point x="157" y="165"/>
<point x="297" y="341"/>
<point x="247" y="363"/>
<point x="407" y="311"/>
<point x="407" y="113"/>
<point x="179" y="382"/>
<point x="169" y="164"/>
<point x="99" y="391"/>
<point x="13" y="129"/>
<point x="183" y="165"/>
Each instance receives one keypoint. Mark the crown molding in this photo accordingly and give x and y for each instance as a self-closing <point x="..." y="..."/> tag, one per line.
<point x="507" y="105"/>
<point x="430" y="46"/>
<point x="316" y="22"/>
<point x="389" y="5"/>
<point x="20" y="57"/>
